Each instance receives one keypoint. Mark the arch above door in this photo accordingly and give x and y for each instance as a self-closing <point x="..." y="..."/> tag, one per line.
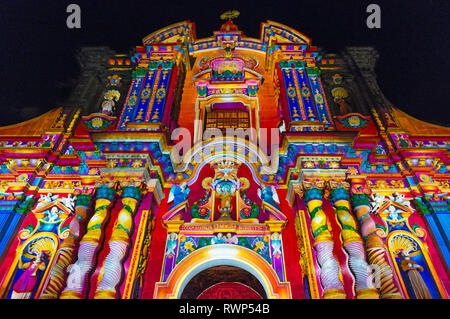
<point x="222" y="254"/>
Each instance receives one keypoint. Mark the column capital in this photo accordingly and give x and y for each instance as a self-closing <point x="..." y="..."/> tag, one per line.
<point x="131" y="192"/>
<point x="358" y="185"/>
<point x="339" y="191"/>
<point x="83" y="200"/>
<point x="312" y="193"/>
<point x="358" y="200"/>
<point x="105" y="191"/>
<point x="302" y="187"/>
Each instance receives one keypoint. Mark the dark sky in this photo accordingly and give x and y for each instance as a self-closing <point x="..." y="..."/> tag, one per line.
<point x="38" y="67"/>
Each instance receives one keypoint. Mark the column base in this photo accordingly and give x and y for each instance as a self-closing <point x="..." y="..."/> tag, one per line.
<point x="105" y="294"/>
<point x="392" y="296"/>
<point x="48" y="296"/>
<point x="334" y="294"/>
<point x="368" y="293"/>
<point x="68" y="294"/>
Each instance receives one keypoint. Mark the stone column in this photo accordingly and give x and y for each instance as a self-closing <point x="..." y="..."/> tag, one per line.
<point x="323" y="243"/>
<point x="118" y="244"/>
<point x="66" y="254"/>
<point x="375" y="250"/>
<point x="77" y="280"/>
<point x="352" y="242"/>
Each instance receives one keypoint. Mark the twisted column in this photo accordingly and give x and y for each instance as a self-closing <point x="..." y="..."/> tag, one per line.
<point x="323" y="244"/>
<point x="77" y="280"/>
<point x="66" y="254"/>
<point x="376" y="253"/>
<point x="352" y="242"/>
<point x="118" y="245"/>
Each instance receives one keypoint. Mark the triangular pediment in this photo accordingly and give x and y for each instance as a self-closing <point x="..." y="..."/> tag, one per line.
<point x="400" y="209"/>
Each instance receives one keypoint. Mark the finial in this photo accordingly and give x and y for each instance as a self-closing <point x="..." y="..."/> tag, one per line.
<point x="229" y="15"/>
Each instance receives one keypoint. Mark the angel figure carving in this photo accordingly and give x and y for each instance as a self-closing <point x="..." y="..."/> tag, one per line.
<point x="218" y="239"/>
<point x="231" y="239"/>
<point x="46" y="199"/>
<point x="178" y="194"/>
<point x="400" y="198"/>
<point x="276" y="244"/>
<point x="269" y="195"/>
<point x="69" y="201"/>
<point x="377" y="201"/>
<point x="171" y="244"/>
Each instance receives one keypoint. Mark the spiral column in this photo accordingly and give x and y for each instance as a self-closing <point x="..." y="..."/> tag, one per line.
<point x="376" y="253"/>
<point x="118" y="245"/>
<point x="323" y="244"/>
<point x="66" y="254"/>
<point x="352" y="242"/>
<point x="77" y="280"/>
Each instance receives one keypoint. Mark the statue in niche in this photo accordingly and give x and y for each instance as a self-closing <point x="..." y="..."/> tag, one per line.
<point x="228" y="48"/>
<point x="108" y="105"/>
<point x="413" y="270"/>
<point x="226" y="196"/>
<point x="31" y="266"/>
<point x="340" y="94"/>
<point x="23" y="288"/>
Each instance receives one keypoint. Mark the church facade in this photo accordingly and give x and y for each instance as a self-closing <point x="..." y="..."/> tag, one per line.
<point x="225" y="167"/>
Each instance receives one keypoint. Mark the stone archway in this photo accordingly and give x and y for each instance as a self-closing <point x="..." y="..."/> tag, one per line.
<point x="229" y="290"/>
<point x="222" y="255"/>
<point x="224" y="282"/>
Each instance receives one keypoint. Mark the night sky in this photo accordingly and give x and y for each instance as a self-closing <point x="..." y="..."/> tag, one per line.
<point x="38" y="67"/>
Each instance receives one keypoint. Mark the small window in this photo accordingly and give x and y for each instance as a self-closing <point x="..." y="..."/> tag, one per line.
<point x="227" y="118"/>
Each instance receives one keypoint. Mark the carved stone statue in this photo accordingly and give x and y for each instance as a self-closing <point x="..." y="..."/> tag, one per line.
<point x="178" y="194"/>
<point x="108" y="106"/>
<point x="340" y="95"/>
<point x="23" y="288"/>
<point x="226" y="198"/>
<point x="377" y="201"/>
<point x="413" y="270"/>
<point x="269" y="195"/>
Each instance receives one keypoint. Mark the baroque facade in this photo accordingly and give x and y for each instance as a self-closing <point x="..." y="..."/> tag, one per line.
<point x="225" y="167"/>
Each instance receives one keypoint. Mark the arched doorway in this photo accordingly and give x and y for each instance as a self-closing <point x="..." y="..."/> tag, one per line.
<point x="229" y="290"/>
<point x="224" y="282"/>
<point x="221" y="255"/>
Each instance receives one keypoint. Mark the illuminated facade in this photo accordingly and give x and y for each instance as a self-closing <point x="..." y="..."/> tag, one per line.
<point x="225" y="167"/>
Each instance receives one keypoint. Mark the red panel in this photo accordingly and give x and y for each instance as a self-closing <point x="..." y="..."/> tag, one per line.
<point x="291" y="253"/>
<point x="229" y="290"/>
<point x="156" y="254"/>
<point x="339" y="249"/>
<point x="104" y="248"/>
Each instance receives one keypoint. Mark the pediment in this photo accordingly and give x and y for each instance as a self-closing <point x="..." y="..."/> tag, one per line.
<point x="400" y="209"/>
